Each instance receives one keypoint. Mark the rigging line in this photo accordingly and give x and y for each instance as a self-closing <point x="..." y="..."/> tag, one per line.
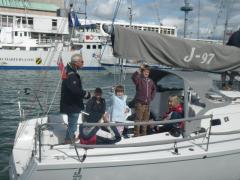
<point x="157" y="11"/>
<point x="116" y="11"/>
<point x="228" y="7"/>
<point x="113" y="20"/>
<point x="221" y="4"/>
<point x="54" y="96"/>
<point x="115" y="72"/>
<point x="5" y="169"/>
<point x="105" y="87"/>
<point x="51" y="57"/>
<point x="60" y="80"/>
<point x="58" y="85"/>
<point x="52" y="53"/>
<point x="42" y="81"/>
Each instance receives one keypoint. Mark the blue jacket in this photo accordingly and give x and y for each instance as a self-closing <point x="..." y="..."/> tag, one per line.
<point x="72" y="93"/>
<point x="117" y="109"/>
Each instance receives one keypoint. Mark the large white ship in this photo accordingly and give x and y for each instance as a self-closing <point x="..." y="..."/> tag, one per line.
<point x="36" y="41"/>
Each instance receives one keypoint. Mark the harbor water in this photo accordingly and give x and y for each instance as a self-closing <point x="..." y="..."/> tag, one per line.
<point x="42" y="86"/>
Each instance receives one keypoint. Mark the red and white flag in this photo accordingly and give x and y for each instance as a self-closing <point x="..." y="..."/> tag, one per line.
<point x="61" y="68"/>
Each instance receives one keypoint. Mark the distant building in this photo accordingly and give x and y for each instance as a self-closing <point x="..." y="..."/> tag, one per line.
<point x="59" y="3"/>
<point x="27" y="7"/>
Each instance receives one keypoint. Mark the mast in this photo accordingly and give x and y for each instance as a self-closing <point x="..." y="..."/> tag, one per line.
<point x="85" y="12"/>
<point x="130" y="13"/>
<point x="220" y="10"/>
<point x="226" y="23"/>
<point x="198" y="26"/>
<point x="186" y="8"/>
<point x="157" y="12"/>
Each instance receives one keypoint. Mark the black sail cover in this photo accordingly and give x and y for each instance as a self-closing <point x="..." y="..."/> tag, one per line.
<point x="155" y="48"/>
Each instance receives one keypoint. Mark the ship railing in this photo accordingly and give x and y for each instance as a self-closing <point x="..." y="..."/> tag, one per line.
<point x="205" y="135"/>
<point x="140" y="144"/>
<point x="44" y="41"/>
<point x="235" y="85"/>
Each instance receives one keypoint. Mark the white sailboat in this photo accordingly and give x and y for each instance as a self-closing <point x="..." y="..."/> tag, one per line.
<point x="209" y="148"/>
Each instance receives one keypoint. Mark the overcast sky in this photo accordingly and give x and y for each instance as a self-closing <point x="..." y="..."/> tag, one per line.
<point x="212" y="14"/>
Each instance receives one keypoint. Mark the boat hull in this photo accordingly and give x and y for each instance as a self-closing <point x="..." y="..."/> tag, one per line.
<point x="213" y="153"/>
<point x="210" y="167"/>
<point x="44" y="60"/>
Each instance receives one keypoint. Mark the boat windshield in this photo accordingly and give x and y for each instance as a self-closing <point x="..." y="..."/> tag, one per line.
<point x="170" y="82"/>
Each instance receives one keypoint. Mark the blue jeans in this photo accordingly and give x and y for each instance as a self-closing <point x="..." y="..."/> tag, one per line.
<point x="72" y="125"/>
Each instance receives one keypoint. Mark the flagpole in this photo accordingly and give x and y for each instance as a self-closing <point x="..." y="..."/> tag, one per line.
<point x="85" y="13"/>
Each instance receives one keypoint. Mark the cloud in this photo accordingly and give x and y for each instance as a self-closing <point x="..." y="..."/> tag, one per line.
<point x="173" y="21"/>
<point x="212" y="17"/>
<point x="104" y="10"/>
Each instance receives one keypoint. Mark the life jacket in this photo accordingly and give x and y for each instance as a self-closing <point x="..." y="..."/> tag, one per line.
<point x="179" y="109"/>
<point x="91" y="140"/>
<point x="87" y="135"/>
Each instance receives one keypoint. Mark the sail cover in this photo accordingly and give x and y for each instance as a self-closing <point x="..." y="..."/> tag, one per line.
<point x="155" y="48"/>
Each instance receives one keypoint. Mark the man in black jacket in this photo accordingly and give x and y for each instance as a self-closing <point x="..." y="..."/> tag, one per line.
<point x="72" y="95"/>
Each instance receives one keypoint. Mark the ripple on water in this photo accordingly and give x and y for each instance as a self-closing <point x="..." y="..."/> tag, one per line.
<point x="44" y="85"/>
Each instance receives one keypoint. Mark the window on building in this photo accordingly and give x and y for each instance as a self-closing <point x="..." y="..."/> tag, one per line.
<point x="18" y="19"/>
<point x="4" y="21"/>
<point x="30" y="21"/>
<point x="169" y="31"/>
<point x="25" y="33"/>
<point x="16" y="33"/>
<point x="22" y="48"/>
<point x="88" y="47"/>
<point x="99" y="46"/>
<point x="94" y="46"/>
<point x="24" y="21"/>
<point x="54" y="24"/>
<point x="33" y="48"/>
<point x="75" y="47"/>
<point x="10" y="21"/>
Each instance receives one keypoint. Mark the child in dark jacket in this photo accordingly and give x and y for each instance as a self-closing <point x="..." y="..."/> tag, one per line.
<point x="95" y="108"/>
